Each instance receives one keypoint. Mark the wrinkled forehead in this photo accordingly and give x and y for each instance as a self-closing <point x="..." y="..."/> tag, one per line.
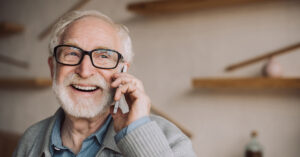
<point x="90" y="33"/>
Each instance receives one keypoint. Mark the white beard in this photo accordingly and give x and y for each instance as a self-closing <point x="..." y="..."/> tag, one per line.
<point x="79" y="107"/>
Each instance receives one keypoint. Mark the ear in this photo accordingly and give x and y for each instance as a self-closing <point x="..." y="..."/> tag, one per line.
<point x="51" y="66"/>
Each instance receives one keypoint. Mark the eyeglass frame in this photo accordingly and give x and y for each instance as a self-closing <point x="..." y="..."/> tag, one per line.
<point x="89" y="53"/>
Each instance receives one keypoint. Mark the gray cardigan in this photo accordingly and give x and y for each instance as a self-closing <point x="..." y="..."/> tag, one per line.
<point x="158" y="138"/>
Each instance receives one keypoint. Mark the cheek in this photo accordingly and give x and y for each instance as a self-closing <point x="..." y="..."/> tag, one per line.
<point x="62" y="72"/>
<point x="107" y="74"/>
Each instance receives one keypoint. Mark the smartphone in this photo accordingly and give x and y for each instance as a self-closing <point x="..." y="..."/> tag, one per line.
<point x="124" y="69"/>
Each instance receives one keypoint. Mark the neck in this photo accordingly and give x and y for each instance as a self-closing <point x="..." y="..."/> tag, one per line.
<point x="74" y="130"/>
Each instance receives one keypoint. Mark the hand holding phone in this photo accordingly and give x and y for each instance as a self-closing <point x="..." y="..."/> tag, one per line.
<point x="124" y="69"/>
<point x="138" y="101"/>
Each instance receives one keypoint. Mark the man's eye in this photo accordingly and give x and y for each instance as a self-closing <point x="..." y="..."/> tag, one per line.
<point x="104" y="56"/>
<point x="72" y="54"/>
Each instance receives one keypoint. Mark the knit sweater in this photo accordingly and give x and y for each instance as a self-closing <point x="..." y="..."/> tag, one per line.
<point x="158" y="138"/>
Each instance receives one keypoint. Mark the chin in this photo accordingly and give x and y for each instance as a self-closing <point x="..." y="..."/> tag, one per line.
<point x="82" y="111"/>
<point x="83" y="107"/>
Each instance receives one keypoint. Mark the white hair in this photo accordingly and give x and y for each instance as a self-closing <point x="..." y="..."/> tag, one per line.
<point x="66" y="20"/>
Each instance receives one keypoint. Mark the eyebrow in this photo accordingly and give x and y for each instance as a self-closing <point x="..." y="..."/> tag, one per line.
<point x="71" y="42"/>
<point x="74" y="43"/>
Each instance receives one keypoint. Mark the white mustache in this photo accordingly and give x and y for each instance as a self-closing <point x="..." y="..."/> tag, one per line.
<point x="95" y="80"/>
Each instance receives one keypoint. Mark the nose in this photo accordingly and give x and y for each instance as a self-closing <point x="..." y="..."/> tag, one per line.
<point x="85" y="69"/>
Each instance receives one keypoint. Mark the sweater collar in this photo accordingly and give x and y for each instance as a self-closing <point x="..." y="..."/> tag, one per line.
<point x="46" y="140"/>
<point x="108" y="141"/>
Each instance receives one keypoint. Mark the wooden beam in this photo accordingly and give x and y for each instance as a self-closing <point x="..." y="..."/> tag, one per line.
<point x="77" y="6"/>
<point x="262" y="57"/>
<point x="13" y="61"/>
<point x="13" y="83"/>
<point x="160" y="113"/>
<point x="9" y="28"/>
<point x="247" y="83"/>
<point x="173" y="6"/>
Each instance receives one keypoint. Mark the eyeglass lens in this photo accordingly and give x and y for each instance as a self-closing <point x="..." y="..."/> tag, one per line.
<point x="101" y="58"/>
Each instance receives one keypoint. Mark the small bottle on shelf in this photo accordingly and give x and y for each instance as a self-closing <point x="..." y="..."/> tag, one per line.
<point x="254" y="148"/>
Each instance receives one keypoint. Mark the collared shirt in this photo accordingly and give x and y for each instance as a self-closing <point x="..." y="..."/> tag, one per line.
<point x="91" y="144"/>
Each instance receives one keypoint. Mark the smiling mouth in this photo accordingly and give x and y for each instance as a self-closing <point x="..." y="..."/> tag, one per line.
<point x="85" y="88"/>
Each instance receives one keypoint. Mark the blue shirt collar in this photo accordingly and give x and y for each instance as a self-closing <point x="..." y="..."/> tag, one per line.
<point x="56" y="136"/>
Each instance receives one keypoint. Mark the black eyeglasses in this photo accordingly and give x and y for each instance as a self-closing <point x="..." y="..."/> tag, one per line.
<point x="101" y="58"/>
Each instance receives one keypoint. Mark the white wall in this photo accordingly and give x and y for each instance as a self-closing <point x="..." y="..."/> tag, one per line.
<point x="170" y="51"/>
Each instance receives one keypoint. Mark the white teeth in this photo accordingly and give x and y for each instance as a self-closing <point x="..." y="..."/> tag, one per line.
<point x="84" y="88"/>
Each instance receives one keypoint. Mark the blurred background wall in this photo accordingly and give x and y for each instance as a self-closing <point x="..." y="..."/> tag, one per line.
<point x="170" y="51"/>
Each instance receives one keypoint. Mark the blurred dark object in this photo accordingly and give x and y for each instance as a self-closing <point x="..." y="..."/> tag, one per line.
<point x="9" y="28"/>
<point x="253" y="148"/>
<point x="25" y="83"/>
<point x="174" y="6"/>
<point x="8" y="143"/>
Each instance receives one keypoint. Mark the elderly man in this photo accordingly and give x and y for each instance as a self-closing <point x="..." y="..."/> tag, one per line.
<point x="88" y="53"/>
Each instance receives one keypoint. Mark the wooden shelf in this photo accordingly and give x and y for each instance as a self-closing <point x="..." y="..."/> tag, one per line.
<point x="247" y="83"/>
<point x="8" y="28"/>
<point x="14" y="83"/>
<point x="173" y="6"/>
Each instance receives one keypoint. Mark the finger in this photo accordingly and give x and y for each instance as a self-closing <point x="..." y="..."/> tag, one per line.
<point x="116" y="75"/>
<point x="125" y="89"/>
<point x="130" y="79"/>
<point x="121" y="80"/>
